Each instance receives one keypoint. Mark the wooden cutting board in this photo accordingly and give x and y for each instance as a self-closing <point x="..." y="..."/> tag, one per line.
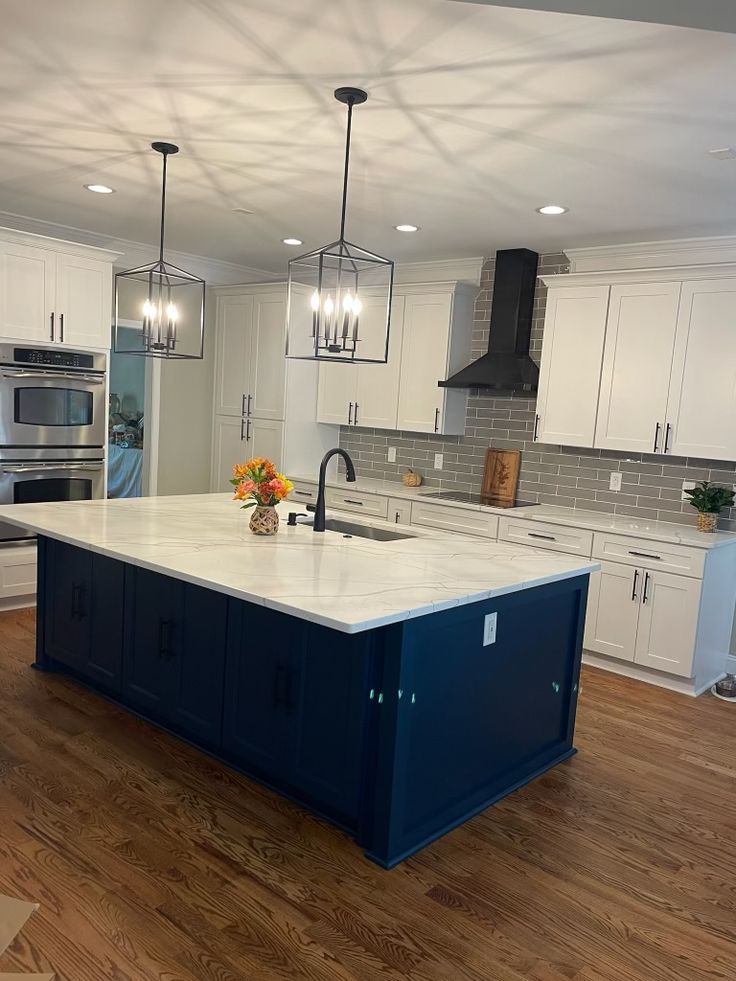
<point x="501" y="477"/>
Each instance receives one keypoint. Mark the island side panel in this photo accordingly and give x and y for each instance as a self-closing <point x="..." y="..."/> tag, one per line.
<point x="463" y="724"/>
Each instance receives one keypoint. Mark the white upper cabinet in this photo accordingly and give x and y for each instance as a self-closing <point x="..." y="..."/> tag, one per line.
<point x="267" y="358"/>
<point x="250" y="363"/>
<point x="234" y="322"/>
<point x="429" y="339"/>
<point x="637" y="361"/>
<point x="27" y="292"/>
<point x="572" y="355"/>
<point x="701" y="412"/>
<point x="84" y="301"/>
<point x="377" y="385"/>
<point x="436" y="343"/>
<point x="366" y="394"/>
<point x="52" y="296"/>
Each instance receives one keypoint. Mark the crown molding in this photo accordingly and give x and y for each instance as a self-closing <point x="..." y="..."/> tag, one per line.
<point x="647" y="255"/>
<point x="652" y="274"/>
<point x="128" y="254"/>
<point x="38" y="241"/>
<point x="440" y="271"/>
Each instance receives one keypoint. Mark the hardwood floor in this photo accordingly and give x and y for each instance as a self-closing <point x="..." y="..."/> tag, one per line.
<point x="151" y="861"/>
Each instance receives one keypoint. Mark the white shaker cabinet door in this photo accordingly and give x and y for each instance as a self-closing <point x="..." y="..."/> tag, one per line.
<point x="570" y="369"/>
<point x="265" y="437"/>
<point x="83" y="301"/>
<point x="668" y="622"/>
<point x="427" y="323"/>
<point x="637" y="361"/>
<point x="377" y="390"/>
<point x="228" y="448"/>
<point x="27" y="293"/>
<point x="233" y="354"/>
<point x="336" y="390"/>
<point x="702" y="405"/>
<point x="613" y="611"/>
<point x="267" y="368"/>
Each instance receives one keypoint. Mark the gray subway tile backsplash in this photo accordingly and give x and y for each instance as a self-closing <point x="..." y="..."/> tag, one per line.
<point x="565" y="476"/>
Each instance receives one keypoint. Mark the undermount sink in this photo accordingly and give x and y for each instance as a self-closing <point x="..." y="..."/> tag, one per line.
<point x="351" y="529"/>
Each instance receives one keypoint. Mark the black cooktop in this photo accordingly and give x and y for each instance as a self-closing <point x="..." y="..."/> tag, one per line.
<point x="466" y="497"/>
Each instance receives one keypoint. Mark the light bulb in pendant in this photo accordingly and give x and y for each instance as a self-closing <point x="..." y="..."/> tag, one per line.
<point x="357" y="306"/>
<point x="149" y="309"/>
<point x="347" y="303"/>
<point x="171" y="312"/>
<point x="329" y="306"/>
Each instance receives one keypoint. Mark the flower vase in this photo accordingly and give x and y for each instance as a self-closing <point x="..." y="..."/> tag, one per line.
<point x="264" y="520"/>
<point x="707" y="521"/>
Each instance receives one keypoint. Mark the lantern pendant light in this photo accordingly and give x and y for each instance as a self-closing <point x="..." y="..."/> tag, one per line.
<point x="339" y="296"/>
<point x="159" y="308"/>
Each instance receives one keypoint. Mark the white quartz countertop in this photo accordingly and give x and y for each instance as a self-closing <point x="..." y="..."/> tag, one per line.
<point x="659" y="531"/>
<point x="349" y="584"/>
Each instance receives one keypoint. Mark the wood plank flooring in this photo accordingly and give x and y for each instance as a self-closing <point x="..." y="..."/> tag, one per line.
<point x="151" y="861"/>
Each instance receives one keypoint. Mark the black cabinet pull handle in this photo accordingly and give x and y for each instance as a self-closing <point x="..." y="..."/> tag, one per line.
<point x="350" y="501"/>
<point x="656" y="437"/>
<point x="247" y="430"/>
<point x="61" y="327"/>
<point x="536" y="534"/>
<point x="250" y="399"/>
<point x="355" y="421"/>
<point x="667" y="431"/>
<point x="279" y="686"/>
<point x="298" y="493"/>
<point x="350" y="414"/>
<point x="81" y="594"/>
<point x="536" y="429"/>
<point x="52" y="327"/>
<point x="644" y="555"/>
<point x="242" y="405"/>
<point x="633" y="588"/>
<point x="436" y="420"/>
<point x="165" y="638"/>
<point x="242" y="434"/>
<point x="646" y="587"/>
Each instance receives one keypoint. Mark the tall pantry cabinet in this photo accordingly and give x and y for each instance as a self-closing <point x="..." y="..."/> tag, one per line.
<point x="264" y="404"/>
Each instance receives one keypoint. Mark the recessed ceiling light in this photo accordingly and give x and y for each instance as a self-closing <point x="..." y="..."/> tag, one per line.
<point x="100" y="188"/>
<point x="406" y="228"/>
<point x="292" y="241"/>
<point x="552" y="209"/>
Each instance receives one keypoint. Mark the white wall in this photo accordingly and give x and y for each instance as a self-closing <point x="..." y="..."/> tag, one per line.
<point x="185" y="420"/>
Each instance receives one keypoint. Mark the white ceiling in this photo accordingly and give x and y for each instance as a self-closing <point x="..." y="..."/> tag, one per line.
<point x="477" y="115"/>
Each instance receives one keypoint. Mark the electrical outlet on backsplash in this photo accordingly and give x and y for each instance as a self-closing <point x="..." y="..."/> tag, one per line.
<point x="651" y="486"/>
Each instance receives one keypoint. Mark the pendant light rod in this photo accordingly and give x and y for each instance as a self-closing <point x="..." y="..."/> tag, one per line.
<point x="350" y="97"/>
<point x="164" y="149"/>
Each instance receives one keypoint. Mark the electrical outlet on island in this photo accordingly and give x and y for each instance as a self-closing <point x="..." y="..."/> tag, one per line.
<point x="615" y="482"/>
<point x="438" y="461"/>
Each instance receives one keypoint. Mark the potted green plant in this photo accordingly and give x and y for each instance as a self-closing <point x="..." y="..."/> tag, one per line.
<point x="709" y="500"/>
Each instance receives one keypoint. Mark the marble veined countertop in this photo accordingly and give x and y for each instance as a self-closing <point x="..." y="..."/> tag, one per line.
<point x="348" y="584"/>
<point x="658" y="531"/>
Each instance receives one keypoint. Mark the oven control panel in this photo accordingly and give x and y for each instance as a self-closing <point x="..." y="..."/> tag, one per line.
<point x="53" y="358"/>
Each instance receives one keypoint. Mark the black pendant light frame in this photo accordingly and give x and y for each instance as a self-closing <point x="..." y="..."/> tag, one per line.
<point x="158" y="337"/>
<point x="336" y="338"/>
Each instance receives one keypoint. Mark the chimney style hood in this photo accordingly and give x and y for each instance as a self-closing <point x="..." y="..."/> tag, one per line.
<point x="507" y="367"/>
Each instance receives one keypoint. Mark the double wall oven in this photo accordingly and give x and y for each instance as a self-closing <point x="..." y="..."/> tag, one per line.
<point x="53" y="426"/>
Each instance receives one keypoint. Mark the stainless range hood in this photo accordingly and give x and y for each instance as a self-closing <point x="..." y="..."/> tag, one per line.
<point x="507" y="367"/>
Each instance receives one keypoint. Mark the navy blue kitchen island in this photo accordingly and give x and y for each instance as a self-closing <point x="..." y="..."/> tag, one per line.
<point x="396" y="733"/>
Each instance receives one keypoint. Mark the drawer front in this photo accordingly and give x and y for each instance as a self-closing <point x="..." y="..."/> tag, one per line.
<point x="399" y="511"/>
<point x="349" y="500"/>
<point x="557" y="538"/>
<point x="304" y="492"/>
<point x="17" y="571"/>
<point x="680" y="559"/>
<point x="461" y="520"/>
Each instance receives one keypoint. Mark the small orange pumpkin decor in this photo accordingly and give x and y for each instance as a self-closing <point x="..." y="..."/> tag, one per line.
<point x="411" y="479"/>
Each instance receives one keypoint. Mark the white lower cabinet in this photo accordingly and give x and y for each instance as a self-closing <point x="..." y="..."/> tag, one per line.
<point x="668" y="621"/>
<point x="462" y="520"/>
<point x="238" y="440"/>
<point x="643" y="616"/>
<point x="17" y="575"/>
<point x="399" y="511"/>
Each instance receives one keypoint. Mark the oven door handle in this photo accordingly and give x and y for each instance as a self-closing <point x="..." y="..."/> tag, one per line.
<point x="76" y="376"/>
<point x="41" y="467"/>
